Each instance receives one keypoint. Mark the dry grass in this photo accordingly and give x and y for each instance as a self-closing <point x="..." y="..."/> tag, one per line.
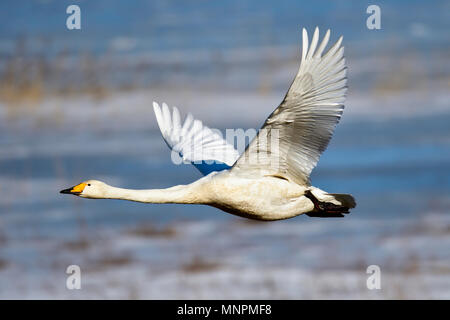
<point x="81" y="244"/>
<point x="3" y="264"/>
<point x="197" y="264"/>
<point x="27" y="78"/>
<point x="151" y="231"/>
<point x="250" y="222"/>
<point x="113" y="261"/>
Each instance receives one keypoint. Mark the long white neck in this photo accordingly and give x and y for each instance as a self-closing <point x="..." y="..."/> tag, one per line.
<point x="177" y="194"/>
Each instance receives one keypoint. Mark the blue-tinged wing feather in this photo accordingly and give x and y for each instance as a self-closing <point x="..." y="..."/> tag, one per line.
<point x="206" y="168"/>
<point x="194" y="142"/>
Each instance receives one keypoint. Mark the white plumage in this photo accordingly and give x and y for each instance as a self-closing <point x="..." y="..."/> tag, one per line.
<point x="306" y="118"/>
<point x="270" y="180"/>
<point x="194" y="141"/>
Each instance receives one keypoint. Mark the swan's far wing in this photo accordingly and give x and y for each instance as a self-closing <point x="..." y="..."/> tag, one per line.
<point x="305" y="120"/>
<point x="193" y="141"/>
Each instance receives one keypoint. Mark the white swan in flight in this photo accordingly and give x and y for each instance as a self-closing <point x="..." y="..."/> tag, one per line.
<point x="270" y="180"/>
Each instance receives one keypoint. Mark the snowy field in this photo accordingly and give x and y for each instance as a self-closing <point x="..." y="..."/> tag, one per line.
<point x="68" y="124"/>
<point x="399" y="176"/>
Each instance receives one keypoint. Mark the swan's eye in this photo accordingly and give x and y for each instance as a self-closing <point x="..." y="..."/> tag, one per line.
<point x="89" y="184"/>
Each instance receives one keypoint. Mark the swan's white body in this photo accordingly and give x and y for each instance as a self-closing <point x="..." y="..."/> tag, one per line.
<point x="277" y="198"/>
<point x="303" y="123"/>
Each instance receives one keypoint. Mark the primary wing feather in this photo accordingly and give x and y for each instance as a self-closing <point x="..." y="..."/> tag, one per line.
<point x="195" y="142"/>
<point x="304" y="122"/>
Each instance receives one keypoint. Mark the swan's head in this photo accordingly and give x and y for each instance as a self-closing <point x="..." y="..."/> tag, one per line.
<point x="89" y="189"/>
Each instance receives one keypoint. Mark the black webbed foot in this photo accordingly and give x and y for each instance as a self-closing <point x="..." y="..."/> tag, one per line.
<point x="325" y="209"/>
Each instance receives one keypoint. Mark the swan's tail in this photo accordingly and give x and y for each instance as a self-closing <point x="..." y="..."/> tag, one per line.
<point x="327" y="208"/>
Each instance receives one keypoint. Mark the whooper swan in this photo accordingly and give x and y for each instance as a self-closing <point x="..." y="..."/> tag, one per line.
<point x="270" y="180"/>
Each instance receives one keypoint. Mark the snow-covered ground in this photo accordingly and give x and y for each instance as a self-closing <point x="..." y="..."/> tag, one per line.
<point x="395" y="163"/>
<point x="299" y="259"/>
<point x="77" y="105"/>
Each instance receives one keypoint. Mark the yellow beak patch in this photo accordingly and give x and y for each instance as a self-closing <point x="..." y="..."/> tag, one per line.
<point x="75" y="190"/>
<point x="78" y="188"/>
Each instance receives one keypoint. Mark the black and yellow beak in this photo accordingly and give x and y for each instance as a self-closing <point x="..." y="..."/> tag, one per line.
<point x="76" y="190"/>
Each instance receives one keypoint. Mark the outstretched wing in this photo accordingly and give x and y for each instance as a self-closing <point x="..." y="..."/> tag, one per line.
<point x="305" y="120"/>
<point x="194" y="142"/>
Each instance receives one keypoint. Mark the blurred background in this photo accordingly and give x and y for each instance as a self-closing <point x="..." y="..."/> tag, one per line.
<point x="76" y="104"/>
